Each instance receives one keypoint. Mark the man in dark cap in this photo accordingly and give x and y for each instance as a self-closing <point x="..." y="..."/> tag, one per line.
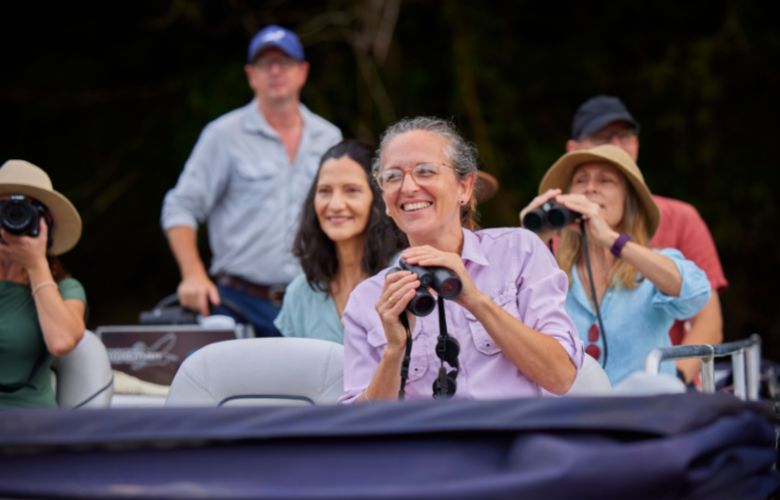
<point x="604" y="119"/>
<point x="247" y="176"/>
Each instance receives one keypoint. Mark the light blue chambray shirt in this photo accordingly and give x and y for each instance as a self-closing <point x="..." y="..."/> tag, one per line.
<point x="638" y="320"/>
<point x="239" y="180"/>
<point x="518" y="272"/>
<point x="309" y="313"/>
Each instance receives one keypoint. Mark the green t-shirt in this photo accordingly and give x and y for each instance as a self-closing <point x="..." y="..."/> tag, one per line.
<point x="25" y="363"/>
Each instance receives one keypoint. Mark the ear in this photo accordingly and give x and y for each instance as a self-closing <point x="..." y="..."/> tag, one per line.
<point x="466" y="185"/>
<point x="304" y="72"/>
<point x="572" y="145"/>
<point x="249" y="71"/>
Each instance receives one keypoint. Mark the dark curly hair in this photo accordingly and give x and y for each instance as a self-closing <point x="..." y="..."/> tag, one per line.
<point x="317" y="253"/>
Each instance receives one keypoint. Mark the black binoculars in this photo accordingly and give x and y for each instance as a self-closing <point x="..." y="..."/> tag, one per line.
<point x="444" y="281"/>
<point x="21" y="215"/>
<point x="550" y="215"/>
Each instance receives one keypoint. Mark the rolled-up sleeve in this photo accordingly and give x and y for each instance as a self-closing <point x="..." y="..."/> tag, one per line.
<point x="360" y="358"/>
<point x="541" y="300"/>
<point x="694" y="293"/>
<point x="200" y="184"/>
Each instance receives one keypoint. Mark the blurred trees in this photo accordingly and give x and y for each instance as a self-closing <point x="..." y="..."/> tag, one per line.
<point x="112" y="108"/>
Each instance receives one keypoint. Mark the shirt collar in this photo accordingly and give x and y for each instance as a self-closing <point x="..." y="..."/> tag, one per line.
<point x="472" y="250"/>
<point x="254" y="121"/>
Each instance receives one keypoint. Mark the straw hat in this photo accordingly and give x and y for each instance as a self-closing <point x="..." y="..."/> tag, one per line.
<point x="485" y="186"/>
<point x="22" y="177"/>
<point x="560" y="174"/>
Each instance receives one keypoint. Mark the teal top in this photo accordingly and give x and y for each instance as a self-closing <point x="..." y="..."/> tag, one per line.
<point x="310" y="313"/>
<point x="25" y="363"/>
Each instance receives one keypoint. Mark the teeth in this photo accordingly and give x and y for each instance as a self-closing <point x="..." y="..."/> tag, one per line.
<point x="416" y="206"/>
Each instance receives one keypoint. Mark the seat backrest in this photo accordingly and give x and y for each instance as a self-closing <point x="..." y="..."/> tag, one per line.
<point x="591" y="380"/>
<point x="84" y="376"/>
<point x="260" y="371"/>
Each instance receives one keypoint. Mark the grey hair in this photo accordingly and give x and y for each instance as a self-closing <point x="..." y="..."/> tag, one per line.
<point x="461" y="154"/>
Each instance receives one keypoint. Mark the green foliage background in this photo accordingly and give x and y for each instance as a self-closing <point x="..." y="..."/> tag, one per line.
<point x="110" y="97"/>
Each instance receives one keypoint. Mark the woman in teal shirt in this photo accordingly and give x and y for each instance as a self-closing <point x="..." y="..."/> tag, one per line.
<point x="41" y="308"/>
<point x="344" y="237"/>
<point x="639" y="292"/>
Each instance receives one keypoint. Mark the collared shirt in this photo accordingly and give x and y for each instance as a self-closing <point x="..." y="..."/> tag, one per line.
<point x="309" y="313"/>
<point x="637" y="320"/>
<point x="240" y="180"/>
<point x="518" y="272"/>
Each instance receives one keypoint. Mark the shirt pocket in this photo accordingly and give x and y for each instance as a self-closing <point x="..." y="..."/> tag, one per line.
<point x="256" y="177"/>
<point x="479" y="335"/>
<point x="418" y="364"/>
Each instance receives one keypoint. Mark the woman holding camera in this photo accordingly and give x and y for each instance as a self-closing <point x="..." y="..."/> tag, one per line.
<point x="512" y="336"/>
<point x="344" y="237"/>
<point x="635" y="292"/>
<point x="41" y="308"/>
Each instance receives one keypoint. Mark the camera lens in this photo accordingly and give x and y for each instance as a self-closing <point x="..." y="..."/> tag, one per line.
<point x="17" y="217"/>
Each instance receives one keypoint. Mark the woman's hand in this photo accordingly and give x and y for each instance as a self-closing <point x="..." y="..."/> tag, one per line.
<point x="427" y="255"/>
<point x="598" y="230"/>
<point x="545" y="234"/>
<point x="27" y="251"/>
<point x="398" y="291"/>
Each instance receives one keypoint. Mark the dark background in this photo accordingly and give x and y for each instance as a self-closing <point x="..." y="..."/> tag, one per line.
<point x="110" y="97"/>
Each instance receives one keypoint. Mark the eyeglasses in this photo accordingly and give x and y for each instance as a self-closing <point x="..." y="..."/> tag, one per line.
<point x="267" y="62"/>
<point x="447" y="349"/>
<point x="390" y="179"/>
<point x="593" y="348"/>
<point x="623" y="134"/>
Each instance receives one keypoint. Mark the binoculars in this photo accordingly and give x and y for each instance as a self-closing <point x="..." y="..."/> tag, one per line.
<point x="550" y="215"/>
<point x="444" y="281"/>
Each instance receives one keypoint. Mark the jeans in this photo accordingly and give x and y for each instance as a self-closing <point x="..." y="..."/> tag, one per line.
<point x="250" y="309"/>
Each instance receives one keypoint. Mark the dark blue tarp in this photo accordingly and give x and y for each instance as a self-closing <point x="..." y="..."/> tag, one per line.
<point x="675" y="446"/>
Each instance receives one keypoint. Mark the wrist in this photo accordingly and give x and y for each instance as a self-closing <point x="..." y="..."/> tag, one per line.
<point x="617" y="245"/>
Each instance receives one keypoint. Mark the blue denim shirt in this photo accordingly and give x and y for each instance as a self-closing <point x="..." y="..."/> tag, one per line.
<point x="638" y="320"/>
<point x="240" y="181"/>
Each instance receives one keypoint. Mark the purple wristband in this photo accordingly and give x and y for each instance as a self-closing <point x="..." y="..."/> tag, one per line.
<point x="619" y="243"/>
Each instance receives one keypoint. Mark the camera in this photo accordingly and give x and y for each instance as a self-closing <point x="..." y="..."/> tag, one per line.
<point x="20" y="215"/>
<point x="444" y="281"/>
<point x="550" y="215"/>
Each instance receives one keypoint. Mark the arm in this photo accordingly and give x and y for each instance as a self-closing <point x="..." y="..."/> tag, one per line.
<point x="196" y="290"/>
<point x="659" y="269"/>
<point x="61" y="321"/>
<point x="540" y="357"/>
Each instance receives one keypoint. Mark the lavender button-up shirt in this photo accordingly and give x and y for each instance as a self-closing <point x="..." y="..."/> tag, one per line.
<point x="513" y="267"/>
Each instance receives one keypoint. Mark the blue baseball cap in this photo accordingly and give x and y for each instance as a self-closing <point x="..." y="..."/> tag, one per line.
<point x="275" y="36"/>
<point x="598" y="112"/>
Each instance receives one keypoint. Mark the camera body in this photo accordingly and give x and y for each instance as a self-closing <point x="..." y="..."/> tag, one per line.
<point x="550" y="215"/>
<point x="444" y="281"/>
<point x="19" y="215"/>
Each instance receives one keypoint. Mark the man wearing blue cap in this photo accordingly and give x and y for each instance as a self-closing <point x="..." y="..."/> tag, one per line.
<point x="604" y="119"/>
<point x="247" y="176"/>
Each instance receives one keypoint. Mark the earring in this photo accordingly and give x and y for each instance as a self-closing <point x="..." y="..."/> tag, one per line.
<point x="462" y="202"/>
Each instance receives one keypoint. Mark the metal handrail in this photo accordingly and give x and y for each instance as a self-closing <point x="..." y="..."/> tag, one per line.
<point x="745" y="363"/>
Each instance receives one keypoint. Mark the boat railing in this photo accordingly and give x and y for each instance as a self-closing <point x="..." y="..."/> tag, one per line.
<point x="745" y="363"/>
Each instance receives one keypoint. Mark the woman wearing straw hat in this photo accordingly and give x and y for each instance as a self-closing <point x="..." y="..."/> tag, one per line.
<point x="635" y="292"/>
<point x="41" y="308"/>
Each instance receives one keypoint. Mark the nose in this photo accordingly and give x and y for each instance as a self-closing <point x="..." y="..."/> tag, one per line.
<point x="409" y="183"/>
<point x="336" y="201"/>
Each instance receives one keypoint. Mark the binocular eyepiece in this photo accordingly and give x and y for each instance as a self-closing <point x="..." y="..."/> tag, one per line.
<point x="550" y="215"/>
<point x="444" y="281"/>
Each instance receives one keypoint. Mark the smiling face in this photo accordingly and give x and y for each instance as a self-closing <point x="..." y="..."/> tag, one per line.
<point x="426" y="209"/>
<point x="342" y="199"/>
<point x="604" y="185"/>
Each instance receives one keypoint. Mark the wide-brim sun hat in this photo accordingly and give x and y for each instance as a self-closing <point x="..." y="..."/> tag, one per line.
<point x="22" y="177"/>
<point x="560" y="173"/>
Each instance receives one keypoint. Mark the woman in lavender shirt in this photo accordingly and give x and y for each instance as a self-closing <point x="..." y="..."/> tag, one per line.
<point x="509" y="320"/>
